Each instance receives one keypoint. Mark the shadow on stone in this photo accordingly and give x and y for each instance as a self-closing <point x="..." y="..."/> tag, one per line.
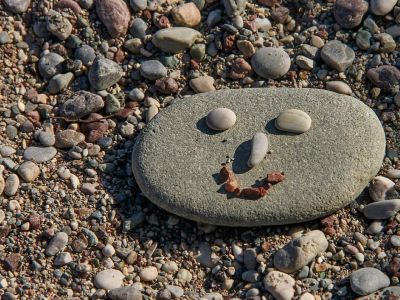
<point x="202" y="126"/>
<point x="241" y="155"/>
<point x="271" y="129"/>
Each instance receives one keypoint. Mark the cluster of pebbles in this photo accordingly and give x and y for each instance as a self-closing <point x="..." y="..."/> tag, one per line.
<point x="80" y="79"/>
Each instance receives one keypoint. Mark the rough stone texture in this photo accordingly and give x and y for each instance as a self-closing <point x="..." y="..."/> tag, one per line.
<point x="125" y="293"/>
<point x="115" y="16"/>
<point x="17" y="6"/>
<point x="344" y="129"/>
<point x="349" y="14"/>
<point x="109" y="279"/>
<point x="40" y="154"/>
<point x="382" y="209"/>
<point x="385" y="77"/>
<point x="300" y="251"/>
<point x="104" y="73"/>
<point x="383" y="294"/>
<point x="80" y="105"/>
<point x="337" y="55"/>
<point x="280" y="285"/>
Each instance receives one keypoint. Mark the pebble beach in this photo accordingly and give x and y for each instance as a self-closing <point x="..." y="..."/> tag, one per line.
<point x="86" y="84"/>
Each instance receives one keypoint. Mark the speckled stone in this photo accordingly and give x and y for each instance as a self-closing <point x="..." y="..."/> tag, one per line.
<point x="344" y="129"/>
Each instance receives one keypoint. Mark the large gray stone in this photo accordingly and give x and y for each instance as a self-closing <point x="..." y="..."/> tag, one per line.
<point x="326" y="167"/>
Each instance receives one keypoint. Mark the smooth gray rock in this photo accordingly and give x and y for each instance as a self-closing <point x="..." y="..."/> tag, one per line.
<point x="293" y="120"/>
<point x="60" y="82"/>
<point x="86" y="54"/>
<point x="28" y="171"/>
<point x="382" y="210"/>
<point x="368" y="280"/>
<point x="175" y="39"/>
<point x="57" y="243"/>
<point x="300" y="251"/>
<point x="344" y="129"/>
<point x="109" y="279"/>
<point x="138" y="28"/>
<point x="259" y="148"/>
<point x="270" y="63"/>
<point x="125" y="293"/>
<point x="337" y="55"/>
<point x="104" y="73"/>
<point x="152" y="69"/>
<point x="11" y="185"/>
<point x="40" y="154"/>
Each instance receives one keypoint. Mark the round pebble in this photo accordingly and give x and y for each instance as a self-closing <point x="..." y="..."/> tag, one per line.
<point x="148" y="273"/>
<point x="270" y="63"/>
<point x="293" y="120"/>
<point x="221" y="119"/>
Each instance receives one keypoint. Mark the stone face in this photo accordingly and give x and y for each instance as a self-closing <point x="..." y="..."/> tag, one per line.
<point x="337" y="55"/>
<point x="300" y="251"/>
<point x="17" y="6"/>
<point x="80" y="105"/>
<point x="293" y="120"/>
<point x="186" y="15"/>
<point x="175" y="39"/>
<point x="382" y="209"/>
<point x="382" y="7"/>
<point x="270" y="63"/>
<point x="343" y="129"/>
<point x="259" y="148"/>
<point x="349" y="14"/>
<point x="385" y="77"/>
<point x="104" y="73"/>
<point x="109" y="279"/>
<point x="368" y="280"/>
<point x="115" y="16"/>
<point x="221" y="118"/>
<point x="280" y="285"/>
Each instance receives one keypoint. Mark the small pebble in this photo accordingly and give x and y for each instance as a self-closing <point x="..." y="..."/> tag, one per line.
<point x="221" y="119"/>
<point x="293" y="120"/>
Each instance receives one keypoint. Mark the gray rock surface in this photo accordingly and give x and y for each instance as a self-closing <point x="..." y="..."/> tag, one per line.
<point x="300" y="251"/>
<point x="382" y="209"/>
<point x="383" y="294"/>
<point x="175" y="39"/>
<point x="50" y="65"/>
<point x="368" y="280"/>
<point x="40" y="154"/>
<point x="80" y="105"/>
<point x="125" y="293"/>
<point x="270" y="63"/>
<point x="17" y="6"/>
<point x="337" y="55"/>
<point x="344" y="130"/>
<point x="57" y="243"/>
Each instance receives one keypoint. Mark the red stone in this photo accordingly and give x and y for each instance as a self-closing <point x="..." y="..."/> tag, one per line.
<point x="115" y="16"/>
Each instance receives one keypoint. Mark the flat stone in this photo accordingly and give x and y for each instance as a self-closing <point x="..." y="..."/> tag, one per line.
<point x="175" y="39"/>
<point x="28" y="171"/>
<point x="300" y="251"/>
<point x="12" y="185"/>
<point x="68" y="138"/>
<point x="40" y="154"/>
<point x="202" y="84"/>
<point x="349" y="14"/>
<point x="343" y="129"/>
<point x="57" y="243"/>
<point x="109" y="279"/>
<point x="337" y="55"/>
<point x="104" y="73"/>
<point x="270" y="63"/>
<point x="382" y="210"/>
<point x="339" y="87"/>
<point x="368" y="280"/>
<point x="57" y="25"/>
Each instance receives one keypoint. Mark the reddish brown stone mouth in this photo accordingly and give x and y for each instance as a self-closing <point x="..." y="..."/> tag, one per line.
<point x="231" y="184"/>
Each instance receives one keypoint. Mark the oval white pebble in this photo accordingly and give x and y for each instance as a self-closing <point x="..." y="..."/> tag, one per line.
<point x="259" y="148"/>
<point x="109" y="279"/>
<point x="148" y="274"/>
<point x="293" y="120"/>
<point x="221" y="119"/>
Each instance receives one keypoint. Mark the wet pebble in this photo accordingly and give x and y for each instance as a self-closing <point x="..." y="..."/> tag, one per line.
<point x="293" y="120"/>
<point x="221" y="119"/>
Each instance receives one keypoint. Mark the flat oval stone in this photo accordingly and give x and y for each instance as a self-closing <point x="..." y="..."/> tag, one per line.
<point x="368" y="280"/>
<point x="221" y="118"/>
<point x="259" y="148"/>
<point x="382" y="209"/>
<point x="175" y="39"/>
<point x="293" y="120"/>
<point x="344" y="129"/>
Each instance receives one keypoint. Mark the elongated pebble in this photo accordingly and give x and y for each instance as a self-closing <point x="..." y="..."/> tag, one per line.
<point x="339" y="87"/>
<point x="293" y="120"/>
<point x="259" y="148"/>
<point x="221" y="119"/>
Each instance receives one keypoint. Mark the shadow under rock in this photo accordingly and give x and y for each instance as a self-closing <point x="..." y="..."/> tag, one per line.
<point x="271" y="129"/>
<point x="202" y="126"/>
<point x="241" y="156"/>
